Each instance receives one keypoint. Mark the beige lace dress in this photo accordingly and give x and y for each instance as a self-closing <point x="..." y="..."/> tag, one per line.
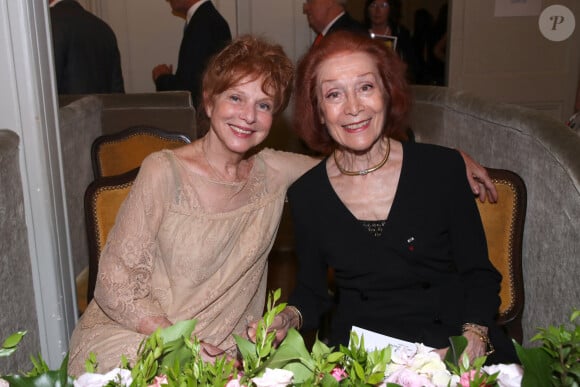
<point x="185" y="246"/>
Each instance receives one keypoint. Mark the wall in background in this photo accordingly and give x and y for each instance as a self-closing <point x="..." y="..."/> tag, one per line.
<point x="507" y="59"/>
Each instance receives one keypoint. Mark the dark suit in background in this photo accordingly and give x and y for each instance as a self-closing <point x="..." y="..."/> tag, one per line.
<point x="206" y="33"/>
<point x="346" y="22"/>
<point x="86" y="55"/>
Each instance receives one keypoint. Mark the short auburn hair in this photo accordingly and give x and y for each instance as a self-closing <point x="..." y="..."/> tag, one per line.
<point x="307" y="114"/>
<point x="247" y="56"/>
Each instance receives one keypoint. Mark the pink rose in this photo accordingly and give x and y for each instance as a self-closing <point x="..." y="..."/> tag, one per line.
<point x="159" y="381"/>
<point x="466" y="377"/>
<point x="234" y="383"/>
<point x="338" y="373"/>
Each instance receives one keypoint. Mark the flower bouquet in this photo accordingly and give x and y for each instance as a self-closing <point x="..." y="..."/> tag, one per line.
<point x="172" y="357"/>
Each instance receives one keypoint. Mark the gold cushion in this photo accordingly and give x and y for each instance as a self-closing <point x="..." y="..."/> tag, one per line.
<point x="124" y="151"/>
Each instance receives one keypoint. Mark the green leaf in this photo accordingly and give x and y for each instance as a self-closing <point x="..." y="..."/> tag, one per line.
<point x="179" y="354"/>
<point x="359" y="370"/>
<point x="536" y="363"/>
<point x="329" y="381"/>
<point x="179" y="329"/>
<point x="246" y="347"/>
<point x="300" y="371"/>
<point x="456" y="348"/>
<point x="48" y="379"/>
<point x="13" y="340"/>
<point x="292" y="349"/>
<point x="7" y="352"/>
<point x="265" y="350"/>
<point x="39" y="366"/>
<point x="319" y="349"/>
<point x="376" y="378"/>
<point x="335" y="357"/>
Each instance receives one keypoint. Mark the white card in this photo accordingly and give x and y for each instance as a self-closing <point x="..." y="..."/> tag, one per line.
<point x="374" y="340"/>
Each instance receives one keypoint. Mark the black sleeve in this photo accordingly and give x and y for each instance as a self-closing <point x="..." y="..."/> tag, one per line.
<point x="310" y="295"/>
<point x="203" y="38"/>
<point x="480" y="280"/>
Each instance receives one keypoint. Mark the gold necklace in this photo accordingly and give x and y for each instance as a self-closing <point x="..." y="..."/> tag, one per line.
<point x="363" y="172"/>
<point x="219" y="177"/>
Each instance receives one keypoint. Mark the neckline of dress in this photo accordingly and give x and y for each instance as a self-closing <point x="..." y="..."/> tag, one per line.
<point x="215" y="181"/>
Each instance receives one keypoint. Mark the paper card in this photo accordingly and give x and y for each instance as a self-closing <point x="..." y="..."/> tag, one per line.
<point x="374" y="340"/>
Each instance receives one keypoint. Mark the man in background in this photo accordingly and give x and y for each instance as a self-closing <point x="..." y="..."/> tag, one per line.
<point x="327" y="16"/>
<point x="86" y="55"/>
<point x="206" y="32"/>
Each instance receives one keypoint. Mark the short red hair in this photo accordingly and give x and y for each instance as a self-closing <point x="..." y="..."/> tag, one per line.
<point x="307" y="122"/>
<point x="247" y="56"/>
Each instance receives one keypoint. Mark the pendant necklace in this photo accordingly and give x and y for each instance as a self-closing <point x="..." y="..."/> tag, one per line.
<point x="218" y="175"/>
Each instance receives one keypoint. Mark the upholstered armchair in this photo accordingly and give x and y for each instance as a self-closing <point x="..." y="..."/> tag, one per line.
<point x="546" y="154"/>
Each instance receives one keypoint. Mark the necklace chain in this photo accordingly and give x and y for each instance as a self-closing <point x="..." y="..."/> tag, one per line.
<point x="215" y="171"/>
<point x="366" y="171"/>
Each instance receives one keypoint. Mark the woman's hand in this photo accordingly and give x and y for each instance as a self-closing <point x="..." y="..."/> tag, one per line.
<point x="479" y="179"/>
<point x="282" y="322"/>
<point x="150" y="324"/>
<point x="209" y="353"/>
<point x="475" y="346"/>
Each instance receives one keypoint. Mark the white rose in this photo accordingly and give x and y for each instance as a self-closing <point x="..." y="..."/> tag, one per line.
<point x="98" y="380"/>
<point x="274" y="378"/>
<point x="441" y="378"/>
<point x="427" y="362"/>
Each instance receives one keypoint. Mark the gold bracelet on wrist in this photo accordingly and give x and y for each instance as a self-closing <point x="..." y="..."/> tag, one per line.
<point x="474" y="328"/>
<point x="298" y="315"/>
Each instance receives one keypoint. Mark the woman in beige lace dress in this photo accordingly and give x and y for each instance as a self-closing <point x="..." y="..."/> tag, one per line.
<point x="193" y="237"/>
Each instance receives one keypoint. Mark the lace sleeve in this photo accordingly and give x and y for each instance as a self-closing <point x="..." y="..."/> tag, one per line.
<point x="123" y="288"/>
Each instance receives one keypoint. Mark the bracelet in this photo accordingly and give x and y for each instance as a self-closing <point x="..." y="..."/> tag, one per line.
<point x="482" y="336"/>
<point x="298" y="314"/>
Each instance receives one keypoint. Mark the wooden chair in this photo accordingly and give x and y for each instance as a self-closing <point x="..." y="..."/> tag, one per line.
<point x="103" y="198"/>
<point x="504" y="228"/>
<point x="115" y="154"/>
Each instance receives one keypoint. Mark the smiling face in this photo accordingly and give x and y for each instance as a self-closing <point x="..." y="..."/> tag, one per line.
<point x="241" y="116"/>
<point x="352" y="100"/>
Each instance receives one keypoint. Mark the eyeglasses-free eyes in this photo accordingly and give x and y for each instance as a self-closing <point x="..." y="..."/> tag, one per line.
<point x="382" y="4"/>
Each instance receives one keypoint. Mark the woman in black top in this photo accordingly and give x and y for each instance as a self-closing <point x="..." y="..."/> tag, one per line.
<point x="396" y="220"/>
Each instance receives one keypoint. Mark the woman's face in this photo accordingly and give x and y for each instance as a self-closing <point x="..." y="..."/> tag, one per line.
<point x="242" y="115"/>
<point x="352" y="100"/>
<point x="379" y="12"/>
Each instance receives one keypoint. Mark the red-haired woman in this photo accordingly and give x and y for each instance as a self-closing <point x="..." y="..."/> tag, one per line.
<point x="193" y="237"/>
<point x="394" y="219"/>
